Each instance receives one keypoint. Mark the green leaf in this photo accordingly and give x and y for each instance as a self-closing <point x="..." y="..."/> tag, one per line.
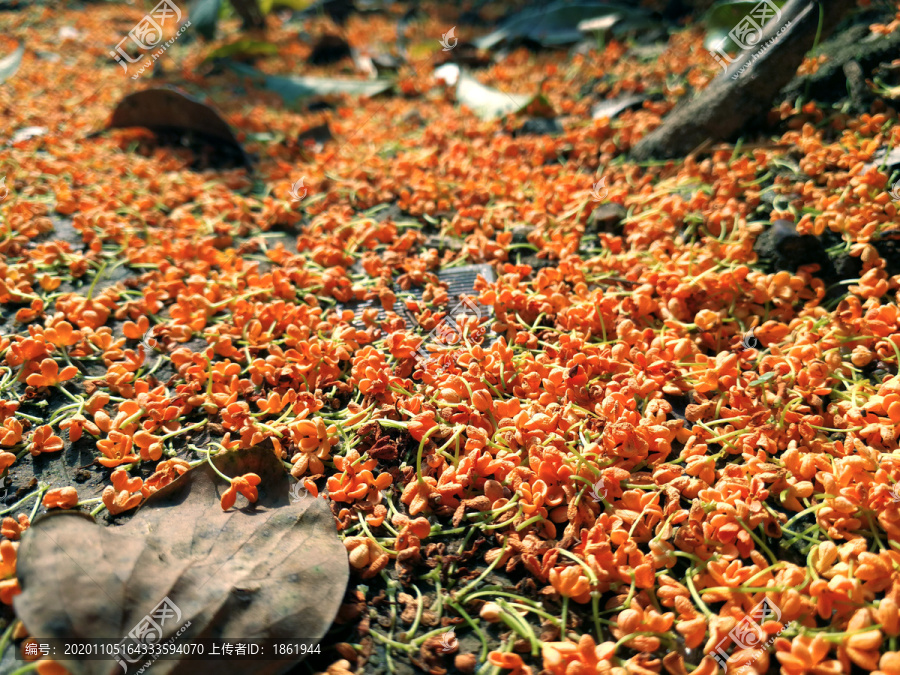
<point x="243" y="47"/>
<point x="721" y="20"/>
<point x="488" y="103"/>
<point x="294" y="88"/>
<point x="205" y="17"/>
<point x="768" y="377"/>
<point x="10" y="64"/>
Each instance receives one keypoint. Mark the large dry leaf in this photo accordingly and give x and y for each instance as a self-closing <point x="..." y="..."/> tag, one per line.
<point x="274" y="569"/>
<point x="167" y="109"/>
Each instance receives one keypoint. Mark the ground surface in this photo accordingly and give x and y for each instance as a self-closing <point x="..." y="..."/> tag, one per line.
<point x="659" y="430"/>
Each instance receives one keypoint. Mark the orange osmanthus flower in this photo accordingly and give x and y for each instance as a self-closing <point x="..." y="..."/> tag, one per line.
<point x="44" y="440"/>
<point x="245" y="485"/>
<point x="12" y="528"/>
<point x="10" y="435"/>
<point x="9" y="585"/>
<point x="124" y="494"/>
<point x="61" y="498"/>
<point x="50" y="374"/>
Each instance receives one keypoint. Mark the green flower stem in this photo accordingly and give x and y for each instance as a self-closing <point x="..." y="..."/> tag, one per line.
<point x="214" y="467"/>
<point x="393" y="643"/>
<point x="365" y="528"/>
<point x="71" y="397"/>
<point x="631" y="636"/>
<point x="461" y="594"/>
<point x="800" y="535"/>
<point x="155" y="367"/>
<point x="531" y="521"/>
<point x="516" y="623"/>
<point x="419" y="608"/>
<point x="493" y="591"/>
<point x="202" y="423"/>
<point x="437" y="631"/>
<point x="7" y="636"/>
<point x="456" y="530"/>
<point x="503" y="523"/>
<point x="392" y="424"/>
<point x="584" y="565"/>
<point x="496" y="512"/>
<point x="37" y="503"/>
<point x="837" y="637"/>
<point x="563" y="617"/>
<point x="24" y="499"/>
<point x="456" y="435"/>
<point x="771" y="568"/>
<point x="422" y="443"/>
<point x="541" y="613"/>
<point x="134" y="418"/>
<point x="438" y="606"/>
<point x="56" y="416"/>
<point x="475" y="627"/>
<point x="269" y="428"/>
<point x="368" y="412"/>
<point x="595" y="607"/>
<point x="759" y="541"/>
<point x="96" y="279"/>
<point x="689" y="580"/>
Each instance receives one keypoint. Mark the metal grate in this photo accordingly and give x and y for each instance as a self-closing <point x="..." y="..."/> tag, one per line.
<point x="460" y="282"/>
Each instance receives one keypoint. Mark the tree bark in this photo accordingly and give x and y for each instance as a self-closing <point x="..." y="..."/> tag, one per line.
<point x="850" y="46"/>
<point x="745" y="91"/>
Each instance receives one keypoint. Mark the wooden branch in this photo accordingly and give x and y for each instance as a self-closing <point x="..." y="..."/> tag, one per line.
<point x="746" y="90"/>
